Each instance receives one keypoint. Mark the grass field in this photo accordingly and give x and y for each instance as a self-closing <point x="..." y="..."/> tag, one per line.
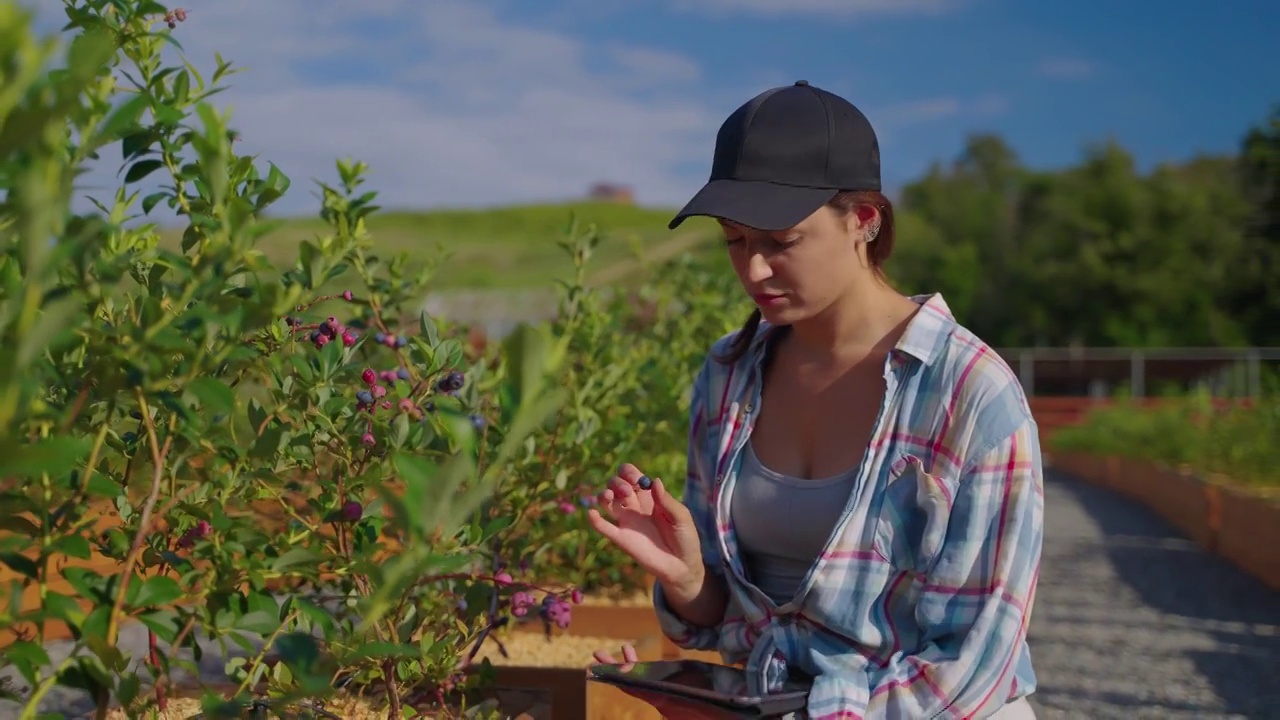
<point x="511" y="247"/>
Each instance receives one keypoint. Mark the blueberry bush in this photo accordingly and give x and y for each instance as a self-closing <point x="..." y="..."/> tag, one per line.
<point x="202" y="447"/>
<point x="632" y="355"/>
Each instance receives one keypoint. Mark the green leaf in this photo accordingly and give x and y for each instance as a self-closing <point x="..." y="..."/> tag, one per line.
<point x="122" y="118"/>
<point x="28" y="656"/>
<point x="141" y="169"/>
<point x="214" y="395"/>
<point x="258" y="621"/>
<point x="20" y="564"/>
<point x="75" y="546"/>
<point x="149" y="202"/>
<point x="296" y="557"/>
<point x="159" y="590"/>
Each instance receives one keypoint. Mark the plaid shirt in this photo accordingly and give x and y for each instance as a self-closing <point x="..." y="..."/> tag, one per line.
<point x="919" y="605"/>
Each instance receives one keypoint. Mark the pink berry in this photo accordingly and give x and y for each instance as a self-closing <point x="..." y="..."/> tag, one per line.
<point x="367" y="439"/>
<point x="390" y="341"/>
<point x="576" y="596"/>
<point x="406" y="405"/>
<point x="368" y="376"/>
<point x="378" y="390"/>
<point x="567" y="508"/>
<point x="346" y="295"/>
<point x="503" y="578"/>
<point x="348" y="339"/>
<point x="386" y="404"/>
<point x="321" y="340"/>
<point x="352" y="511"/>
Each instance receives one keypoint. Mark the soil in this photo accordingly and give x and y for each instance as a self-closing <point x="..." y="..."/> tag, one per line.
<point x="528" y="649"/>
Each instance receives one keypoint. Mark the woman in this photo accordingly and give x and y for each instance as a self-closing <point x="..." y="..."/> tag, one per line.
<point x="864" y="497"/>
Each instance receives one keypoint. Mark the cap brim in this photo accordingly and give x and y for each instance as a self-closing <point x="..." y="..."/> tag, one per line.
<point x="755" y="203"/>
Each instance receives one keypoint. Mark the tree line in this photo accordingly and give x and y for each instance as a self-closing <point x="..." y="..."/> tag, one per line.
<point x="1101" y="254"/>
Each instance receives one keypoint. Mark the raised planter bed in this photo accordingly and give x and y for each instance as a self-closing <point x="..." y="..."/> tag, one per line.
<point x="1238" y="525"/>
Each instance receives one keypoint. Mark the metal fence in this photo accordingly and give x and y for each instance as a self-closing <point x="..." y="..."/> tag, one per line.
<point x="1142" y="372"/>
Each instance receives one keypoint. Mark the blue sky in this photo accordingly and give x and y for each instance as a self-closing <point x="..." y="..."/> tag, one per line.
<point x="484" y="102"/>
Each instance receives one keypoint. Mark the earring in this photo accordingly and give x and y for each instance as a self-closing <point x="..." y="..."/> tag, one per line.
<point x="873" y="232"/>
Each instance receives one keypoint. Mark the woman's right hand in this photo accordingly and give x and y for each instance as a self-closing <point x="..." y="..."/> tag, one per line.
<point x="652" y="527"/>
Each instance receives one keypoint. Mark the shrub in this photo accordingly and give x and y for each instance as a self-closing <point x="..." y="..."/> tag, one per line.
<point x="184" y="445"/>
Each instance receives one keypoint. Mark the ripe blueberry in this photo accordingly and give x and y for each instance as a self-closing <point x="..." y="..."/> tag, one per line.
<point x="451" y="382"/>
<point x="352" y="511"/>
<point x="644" y="482"/>
<point x="402" y="374"/>
<point x="364" y="396"/>
<point x="401" y="341"/>
<point x="380" y="338"/>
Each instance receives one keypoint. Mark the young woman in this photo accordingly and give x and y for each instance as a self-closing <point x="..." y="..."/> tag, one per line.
<point x="864" y="497"/>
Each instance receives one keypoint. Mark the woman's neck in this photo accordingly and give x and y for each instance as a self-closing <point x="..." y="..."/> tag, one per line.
<point x="859" y="324"/>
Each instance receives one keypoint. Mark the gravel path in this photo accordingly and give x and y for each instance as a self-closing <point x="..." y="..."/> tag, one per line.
<point x="1134" y="621"/>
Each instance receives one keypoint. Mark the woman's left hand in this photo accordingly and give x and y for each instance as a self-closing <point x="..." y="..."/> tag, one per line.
<point x="670" y="707"/>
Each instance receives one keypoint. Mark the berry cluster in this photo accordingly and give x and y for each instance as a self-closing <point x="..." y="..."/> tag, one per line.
<point x="199" y="531"/>
<point x="175" y="16"/>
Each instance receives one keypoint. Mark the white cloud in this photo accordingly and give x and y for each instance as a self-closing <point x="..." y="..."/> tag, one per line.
<point x="1067" y="68"/>
<point x="453" y="103"/>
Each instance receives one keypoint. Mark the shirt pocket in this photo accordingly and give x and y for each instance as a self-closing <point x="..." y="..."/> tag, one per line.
<point x="914" y="513"/>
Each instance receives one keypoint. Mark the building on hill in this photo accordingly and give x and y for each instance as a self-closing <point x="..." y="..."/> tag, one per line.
<point x="611" y="192"/>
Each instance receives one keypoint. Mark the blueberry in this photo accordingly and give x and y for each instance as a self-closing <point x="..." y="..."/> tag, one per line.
<point x="364" y="396"/>
<point x="380" y="338"/>
<point x="451" y="382"/>
<point x="401" y="341"/>
<point x="403" y="374"/>
<point x="477" y="422"/>
<point x="644" y="482"/>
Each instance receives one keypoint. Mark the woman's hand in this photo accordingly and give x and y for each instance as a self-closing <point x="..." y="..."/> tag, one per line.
<point x="652" y="527"/>
<point x="670" y="707"/>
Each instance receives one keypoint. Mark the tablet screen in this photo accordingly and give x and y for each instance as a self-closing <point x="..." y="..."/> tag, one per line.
<point x="721" y="684"/>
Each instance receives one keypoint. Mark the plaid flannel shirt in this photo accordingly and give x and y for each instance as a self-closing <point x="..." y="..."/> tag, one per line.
<point x="919" y="605"/>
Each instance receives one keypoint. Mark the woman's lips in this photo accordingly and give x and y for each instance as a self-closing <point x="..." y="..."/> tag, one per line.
<point x="768" y="298"/>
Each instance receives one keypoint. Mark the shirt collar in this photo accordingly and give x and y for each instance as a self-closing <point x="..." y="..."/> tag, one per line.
<point x="922" y="339"/>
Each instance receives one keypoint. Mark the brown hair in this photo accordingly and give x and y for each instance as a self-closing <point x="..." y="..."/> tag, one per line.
<point x="845" y="202"/>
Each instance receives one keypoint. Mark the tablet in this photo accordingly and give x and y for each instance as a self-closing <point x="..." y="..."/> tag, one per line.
<point x="721" y="686"/>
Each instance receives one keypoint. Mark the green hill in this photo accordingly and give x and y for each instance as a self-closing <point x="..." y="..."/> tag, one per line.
<point x="512" y="246"/>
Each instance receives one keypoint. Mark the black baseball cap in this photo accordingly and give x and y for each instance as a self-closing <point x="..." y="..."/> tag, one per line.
<point x="784" y="154"/>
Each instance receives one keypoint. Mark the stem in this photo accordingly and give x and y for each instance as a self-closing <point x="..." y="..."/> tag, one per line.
<point x="157" y="457"/>
<point x="251" y="668"/>
<point x="393" y="690"/>
<point x="30" y="710"/>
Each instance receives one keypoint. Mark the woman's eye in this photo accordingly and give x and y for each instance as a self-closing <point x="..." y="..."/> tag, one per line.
<point x="732" y="240"/>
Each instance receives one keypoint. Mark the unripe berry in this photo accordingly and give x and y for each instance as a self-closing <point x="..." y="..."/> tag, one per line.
<point x="352" y="511"/>
<point x="368" y="376"/>
<point x="378" y="390"/>
<point x="348" y="339"/>
<point x="346" y="295"/>
<point x="367" y="439"/>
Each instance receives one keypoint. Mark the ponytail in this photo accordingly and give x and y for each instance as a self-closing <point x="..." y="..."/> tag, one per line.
<point x="742" y="341"/>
